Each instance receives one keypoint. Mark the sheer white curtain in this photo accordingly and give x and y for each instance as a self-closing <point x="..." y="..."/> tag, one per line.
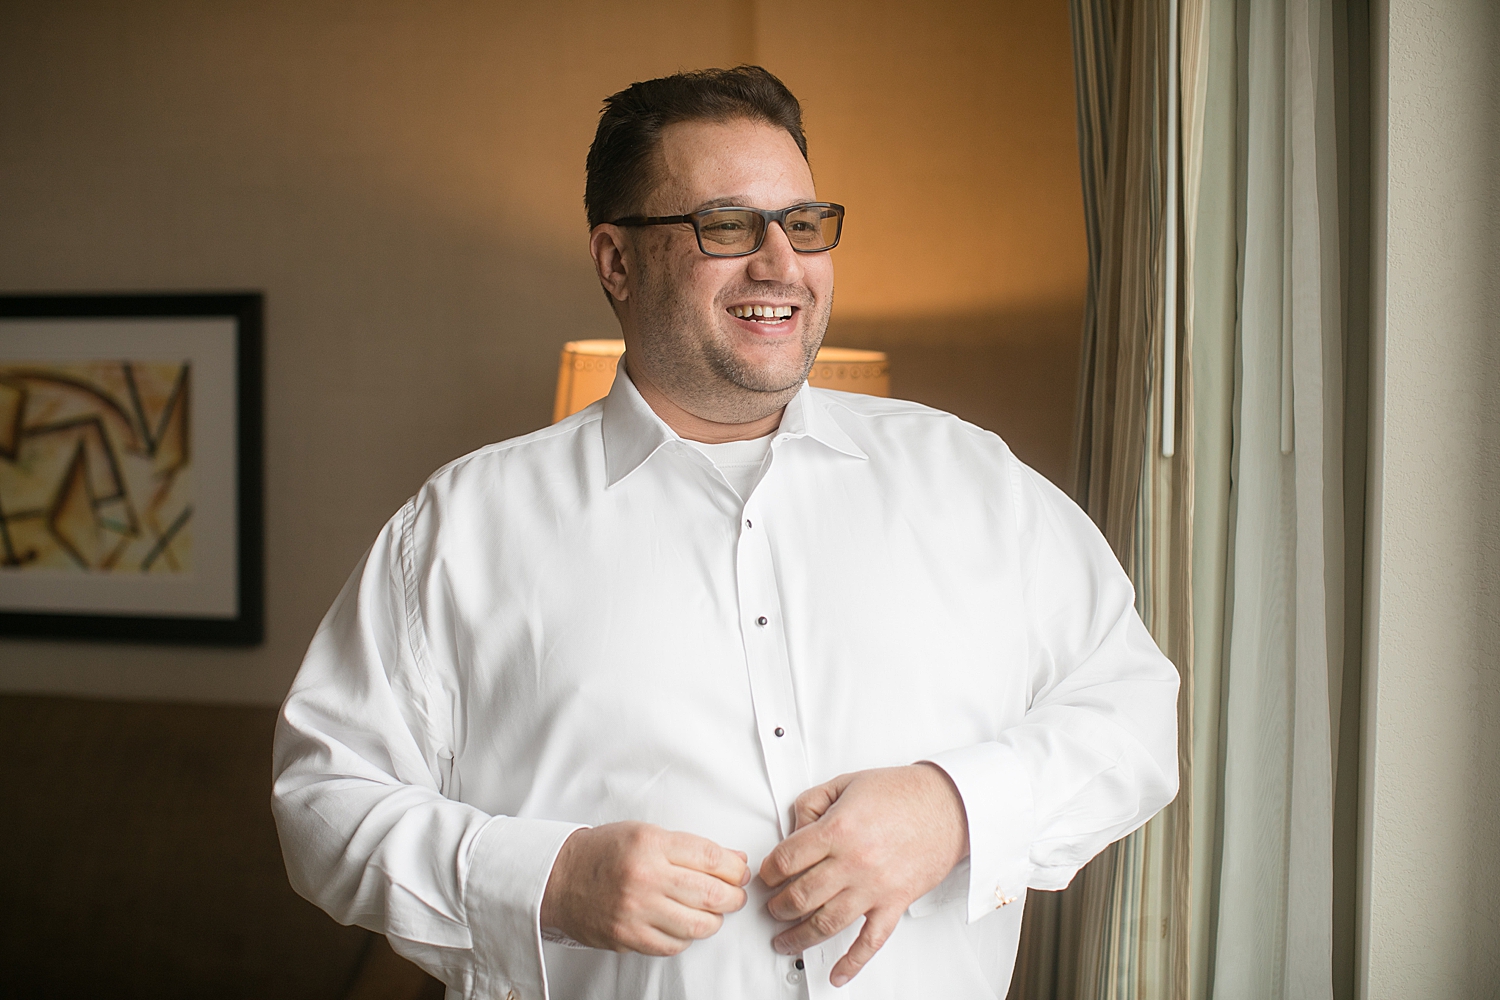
<point x="1210" y="310"/>
<point x="1284" y="603"/>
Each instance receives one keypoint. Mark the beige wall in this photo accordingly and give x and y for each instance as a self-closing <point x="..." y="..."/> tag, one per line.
<point x="921" y="113"/>
<point x="404" y="182"/>
<point x="1431" y="905"/>
<point x="931" y="112"/>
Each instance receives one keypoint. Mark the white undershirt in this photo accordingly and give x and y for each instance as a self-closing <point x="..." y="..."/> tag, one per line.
<point x="741" y="462"/>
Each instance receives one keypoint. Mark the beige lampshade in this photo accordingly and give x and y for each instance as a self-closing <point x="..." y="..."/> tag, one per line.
<point x="588" y="370"/>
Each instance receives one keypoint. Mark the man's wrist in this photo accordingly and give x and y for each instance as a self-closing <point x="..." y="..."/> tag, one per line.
<point x="551" y="915"/>
<point x="959" y="815"/>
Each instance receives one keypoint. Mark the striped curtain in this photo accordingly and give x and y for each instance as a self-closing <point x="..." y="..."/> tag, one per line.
<point x="1121" y="929"/>
<point x="1232" y="206"/>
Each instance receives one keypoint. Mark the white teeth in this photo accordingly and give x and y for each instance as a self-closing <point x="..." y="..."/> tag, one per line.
<point x="763" y="312"/>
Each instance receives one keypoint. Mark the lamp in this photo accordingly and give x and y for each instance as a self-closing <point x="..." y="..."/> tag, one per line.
<point x="588" y="369"/>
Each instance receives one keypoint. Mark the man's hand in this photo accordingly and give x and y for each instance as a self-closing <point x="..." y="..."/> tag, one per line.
<point x="637" y="887"/>
<point x="866" y="844"/>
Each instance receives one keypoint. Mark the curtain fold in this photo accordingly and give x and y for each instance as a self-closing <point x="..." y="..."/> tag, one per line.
<point x="1209" y="152"/>
<point x="1122" y="930"/>
<point x="1285" y="605"/>
<point x="1235" y="542"/>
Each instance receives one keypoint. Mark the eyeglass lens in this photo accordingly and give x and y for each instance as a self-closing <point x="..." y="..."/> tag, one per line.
<point x="734" y="230"/>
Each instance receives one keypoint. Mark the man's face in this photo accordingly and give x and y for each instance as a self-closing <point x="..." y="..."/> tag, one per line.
<point x="688" y="321"/>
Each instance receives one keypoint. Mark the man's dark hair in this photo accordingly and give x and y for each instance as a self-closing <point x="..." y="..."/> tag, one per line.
<point x="622" y="168"/>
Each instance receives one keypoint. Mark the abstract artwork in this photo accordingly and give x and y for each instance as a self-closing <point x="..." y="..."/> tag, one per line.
<point x="96" y="467"/>
<point x="130" y="467"/>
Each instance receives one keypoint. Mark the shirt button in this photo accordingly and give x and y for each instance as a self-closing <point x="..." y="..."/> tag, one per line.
<point x="762" y="620"/>
<point x="799" y="964"/>
<point x="748" y="524"/>
<point x="794" y="977"/>
<point x="780" y="732"/>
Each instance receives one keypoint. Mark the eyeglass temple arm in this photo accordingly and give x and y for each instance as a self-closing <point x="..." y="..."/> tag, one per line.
<point x="651" y="220"/>
<point x="669" y="220"/>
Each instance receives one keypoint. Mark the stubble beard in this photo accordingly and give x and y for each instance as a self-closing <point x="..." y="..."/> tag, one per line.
<point x="693" y="360"/>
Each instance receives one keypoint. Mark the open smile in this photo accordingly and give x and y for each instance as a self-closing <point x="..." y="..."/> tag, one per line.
<point x="763" y="315"/>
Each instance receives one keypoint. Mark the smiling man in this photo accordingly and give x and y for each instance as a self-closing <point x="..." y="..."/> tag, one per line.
<point x="725" y="687"/>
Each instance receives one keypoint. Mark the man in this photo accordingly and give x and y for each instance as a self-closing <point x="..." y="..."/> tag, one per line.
<point x="725" y="686"/>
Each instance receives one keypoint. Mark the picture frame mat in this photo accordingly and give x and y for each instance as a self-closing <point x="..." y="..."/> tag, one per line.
<point x="208" y="345"/>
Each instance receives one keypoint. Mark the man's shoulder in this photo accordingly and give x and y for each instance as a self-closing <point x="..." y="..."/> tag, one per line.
<point x="883" y="418"/>
<point x="542" y="450"/>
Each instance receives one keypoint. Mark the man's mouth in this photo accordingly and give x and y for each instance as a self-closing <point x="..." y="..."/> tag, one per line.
<point x="762" y="314"/>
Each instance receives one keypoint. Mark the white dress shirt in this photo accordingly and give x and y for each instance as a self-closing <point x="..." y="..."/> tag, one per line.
<point x="587" y="624"/>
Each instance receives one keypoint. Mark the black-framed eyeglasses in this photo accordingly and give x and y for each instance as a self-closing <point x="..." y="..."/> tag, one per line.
<point x="734" y="231"/>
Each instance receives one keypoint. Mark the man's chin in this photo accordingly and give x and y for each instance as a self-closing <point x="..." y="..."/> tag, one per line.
<point x="782" y="372"/>
<point x="768" y="381"/>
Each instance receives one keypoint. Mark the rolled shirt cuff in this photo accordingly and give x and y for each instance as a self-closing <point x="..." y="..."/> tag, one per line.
<point x="997" y="796"/>
<point x="507" y="878"/>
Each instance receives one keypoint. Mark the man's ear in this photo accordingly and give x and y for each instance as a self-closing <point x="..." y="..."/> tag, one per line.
<point x="611" y="263"/>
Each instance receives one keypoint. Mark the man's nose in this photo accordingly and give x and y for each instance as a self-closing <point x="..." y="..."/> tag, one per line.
<point x="776" y="260"/>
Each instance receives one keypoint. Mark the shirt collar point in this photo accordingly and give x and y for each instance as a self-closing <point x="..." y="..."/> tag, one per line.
<point x="631" y="430"/>
<point x="815" y="420"/>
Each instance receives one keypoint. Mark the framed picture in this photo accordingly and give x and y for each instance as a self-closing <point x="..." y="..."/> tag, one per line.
<point x="130" y="467"/>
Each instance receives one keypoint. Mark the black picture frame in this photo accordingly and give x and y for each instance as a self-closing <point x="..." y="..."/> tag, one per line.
<point x="240" y="619"/>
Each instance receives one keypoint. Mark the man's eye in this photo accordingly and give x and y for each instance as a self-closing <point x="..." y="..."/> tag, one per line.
<point x="724" y="227"/>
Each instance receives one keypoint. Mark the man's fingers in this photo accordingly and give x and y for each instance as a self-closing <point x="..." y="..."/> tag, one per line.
<point x="650" y="941"/>
<point x="698" y="891"/>
<point x="684" y="923"/>
<point x="872" y="937"/>
<point x="807" y="893"/>
<point x="667" y="931"/>
<point x="687" y="850"/>
<point x="836" y="914"/>
<point x="794" y="855"/>
<point x="808" y="843"/>
<point x="814" y="802"/>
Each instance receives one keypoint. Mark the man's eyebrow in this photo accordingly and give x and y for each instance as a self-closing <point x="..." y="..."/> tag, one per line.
<point x="738" y="200"/>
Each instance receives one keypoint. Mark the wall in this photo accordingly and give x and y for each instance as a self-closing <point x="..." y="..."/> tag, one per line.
<point x="951" y="126"/>
<point x="404" y="182"/>
<point x="948" y="130"/>
<point x="1431" y="905"/>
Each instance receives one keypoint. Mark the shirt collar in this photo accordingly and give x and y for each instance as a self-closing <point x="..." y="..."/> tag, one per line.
<point x="633" y="432"/>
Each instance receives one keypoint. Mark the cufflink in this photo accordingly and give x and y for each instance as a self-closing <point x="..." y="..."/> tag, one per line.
<point x="1001" y="899"/>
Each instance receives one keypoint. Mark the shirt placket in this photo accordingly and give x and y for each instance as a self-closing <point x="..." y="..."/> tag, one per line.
<point x="774" y="699"/>
<point x="771" y="691"/>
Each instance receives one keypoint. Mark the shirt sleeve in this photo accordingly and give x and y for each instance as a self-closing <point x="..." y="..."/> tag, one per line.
<point x="1095" y="755"/>
<point x="361" y="761"/>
